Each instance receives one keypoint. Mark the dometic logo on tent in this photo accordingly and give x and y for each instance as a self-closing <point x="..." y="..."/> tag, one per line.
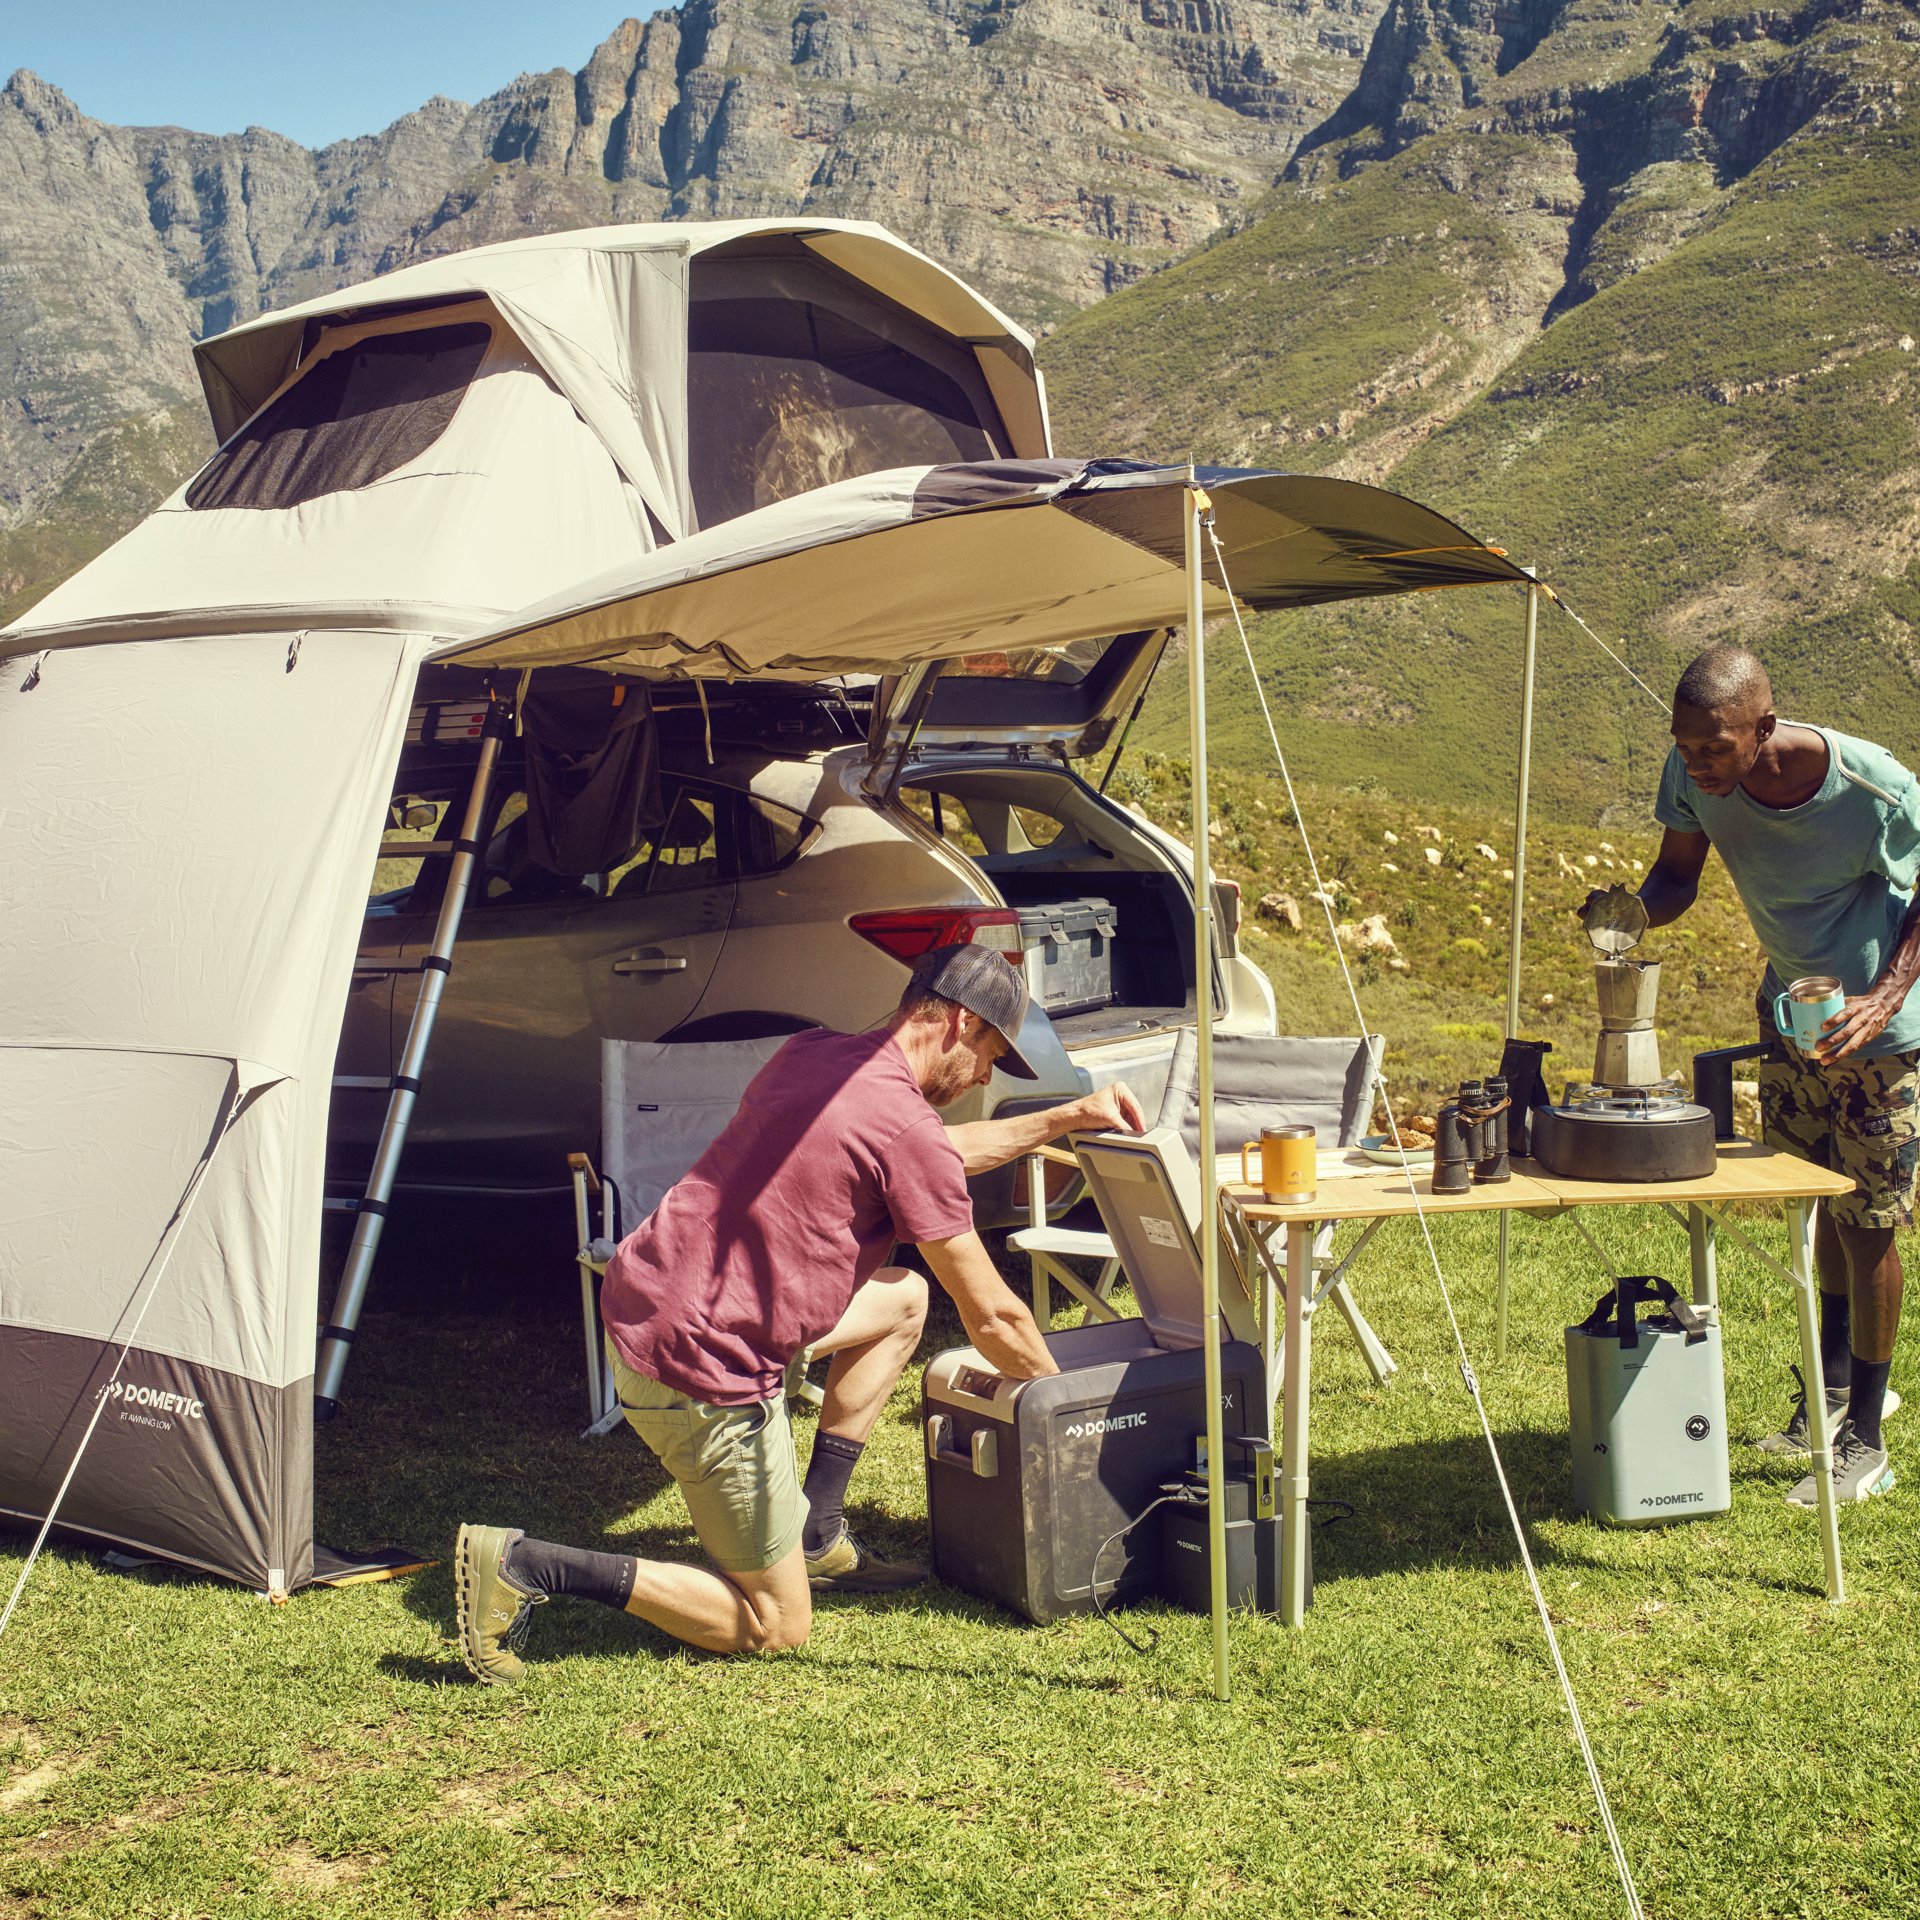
<point x="1672" y="1499"/>
<point x="131" y="1396"/>
<point x="1115" y="1423"/>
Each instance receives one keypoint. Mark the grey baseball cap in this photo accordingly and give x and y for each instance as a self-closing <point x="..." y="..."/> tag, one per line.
<point x="984" y="982"/>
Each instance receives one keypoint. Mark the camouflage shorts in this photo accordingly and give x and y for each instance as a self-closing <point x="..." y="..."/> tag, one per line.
<point x="1858" y="1117"/>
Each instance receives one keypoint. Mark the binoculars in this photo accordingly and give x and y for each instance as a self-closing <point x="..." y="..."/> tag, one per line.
<point x="1470" y="1137"/>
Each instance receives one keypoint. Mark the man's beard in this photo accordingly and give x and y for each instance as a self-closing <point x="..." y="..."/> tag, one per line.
<point x="955" y="1072"/>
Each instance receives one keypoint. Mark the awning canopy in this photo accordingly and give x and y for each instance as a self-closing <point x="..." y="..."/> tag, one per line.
<point x="922" y="563"/>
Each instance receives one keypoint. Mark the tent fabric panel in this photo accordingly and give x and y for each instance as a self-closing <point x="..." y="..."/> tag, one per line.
<point x="1020" y="392"/>
<point x="187" y="1461"/>
<point x="181" y="826"/>
<point x="611" y="332"/>
<point x="96" y="1150"/>
<point x="871" y="255"/>
<point x="250" y="365"/>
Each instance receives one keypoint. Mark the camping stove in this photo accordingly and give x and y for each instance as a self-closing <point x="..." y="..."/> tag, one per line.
<point x="1632" y="1123"/>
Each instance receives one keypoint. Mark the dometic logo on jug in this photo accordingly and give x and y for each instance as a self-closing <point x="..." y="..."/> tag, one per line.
<point x="1114" y="1423"/>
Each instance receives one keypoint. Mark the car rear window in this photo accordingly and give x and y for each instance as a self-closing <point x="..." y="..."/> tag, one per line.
<point x="353" y="418"/>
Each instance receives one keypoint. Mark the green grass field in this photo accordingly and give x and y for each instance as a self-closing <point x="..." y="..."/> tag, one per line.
<point x="172" y="1746"/>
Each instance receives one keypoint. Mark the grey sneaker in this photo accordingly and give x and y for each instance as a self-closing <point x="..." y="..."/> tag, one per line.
<point x="493" y="1609"/>
<point x="1859" y="1472"/>
<point x="1792" y="1439"/>
<point x="848" y="1567"/>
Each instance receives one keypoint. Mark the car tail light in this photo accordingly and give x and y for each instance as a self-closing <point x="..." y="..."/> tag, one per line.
<point x="909" y="932"/>
<point x="1226" y="908"/>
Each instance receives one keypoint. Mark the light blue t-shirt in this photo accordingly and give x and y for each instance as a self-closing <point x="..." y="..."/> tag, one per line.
<point x="1826" y="884"/>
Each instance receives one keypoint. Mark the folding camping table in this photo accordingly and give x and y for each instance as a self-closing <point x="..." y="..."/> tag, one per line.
<point x="1353" y="1188"/>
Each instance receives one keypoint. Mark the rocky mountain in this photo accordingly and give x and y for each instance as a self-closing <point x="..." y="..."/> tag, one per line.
<point x="1631" y="288"/>
<point x="1049" y="150"/>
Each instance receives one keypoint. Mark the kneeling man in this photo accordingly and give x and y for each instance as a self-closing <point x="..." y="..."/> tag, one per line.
<point x="770" y="1244"/>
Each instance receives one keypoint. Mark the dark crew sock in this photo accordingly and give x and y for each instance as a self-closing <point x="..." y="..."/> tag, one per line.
<point x="825" y="1488"/>
<point x="547" y="1568"/>
<point x="1836" y="1335"/>
<point x="1868" y="1397"/>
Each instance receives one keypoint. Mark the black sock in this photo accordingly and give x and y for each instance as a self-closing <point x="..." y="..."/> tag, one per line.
<point x="825" y="1488"/>
<point x="1836" y="1337"/>
<point x="606" y="1577"/>
<point x="1869" y="1395"/>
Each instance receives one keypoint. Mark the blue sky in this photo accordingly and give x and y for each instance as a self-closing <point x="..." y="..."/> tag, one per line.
<point x="315" y="74"/>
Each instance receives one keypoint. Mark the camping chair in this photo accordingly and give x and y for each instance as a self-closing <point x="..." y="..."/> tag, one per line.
<point x="1257" y="1082"/>
<point x="661" y="1107"/>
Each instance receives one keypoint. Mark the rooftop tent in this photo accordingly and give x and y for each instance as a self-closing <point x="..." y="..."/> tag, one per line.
<point x="198" y="733"/>
<point x="452" y="441"/>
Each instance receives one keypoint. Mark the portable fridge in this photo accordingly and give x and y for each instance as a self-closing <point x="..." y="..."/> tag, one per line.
<point x="1027" y="1480"/>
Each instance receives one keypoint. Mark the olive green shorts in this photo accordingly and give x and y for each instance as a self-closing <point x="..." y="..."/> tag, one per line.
<point x="1858" y="1117"/>
<point x="735" y="1465"/>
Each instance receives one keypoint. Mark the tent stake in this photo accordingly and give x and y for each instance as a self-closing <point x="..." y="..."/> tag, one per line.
<point x="1197" y="504"/>
<point x="337" y="1338"/>
<point x="1517" y="921"/>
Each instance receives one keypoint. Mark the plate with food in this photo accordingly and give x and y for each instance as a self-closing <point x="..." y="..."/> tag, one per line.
<point x="1379" y="1148"/>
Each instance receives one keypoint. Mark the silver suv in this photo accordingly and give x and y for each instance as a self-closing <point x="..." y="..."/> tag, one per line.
<point x="815" y="839"/>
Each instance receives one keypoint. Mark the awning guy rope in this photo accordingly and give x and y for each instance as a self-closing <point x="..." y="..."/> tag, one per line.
<point x="1467" y="1374"/>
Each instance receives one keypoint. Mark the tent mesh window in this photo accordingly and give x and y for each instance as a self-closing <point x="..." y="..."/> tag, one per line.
<point x="356" y="417"/>
<point x="787" y="395"/>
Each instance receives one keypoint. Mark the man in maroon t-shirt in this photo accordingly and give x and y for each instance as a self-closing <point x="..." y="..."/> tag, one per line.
<point x="770" y="1244"/>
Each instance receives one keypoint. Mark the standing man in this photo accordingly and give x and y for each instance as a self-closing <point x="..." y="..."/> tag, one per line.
<point x="772" y="1243"/>
<point x="1821" y="833"/>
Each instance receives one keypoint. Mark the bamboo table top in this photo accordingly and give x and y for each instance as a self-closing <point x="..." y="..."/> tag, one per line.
<point x="1351" y="1187"/>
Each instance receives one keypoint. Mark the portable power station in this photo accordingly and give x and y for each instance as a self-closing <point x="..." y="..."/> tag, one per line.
<point x="1647" y="1410"/>
<point x="1253" y="1537"/>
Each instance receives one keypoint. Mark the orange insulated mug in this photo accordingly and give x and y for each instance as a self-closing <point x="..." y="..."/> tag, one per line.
<point x="1286" y="1163"/>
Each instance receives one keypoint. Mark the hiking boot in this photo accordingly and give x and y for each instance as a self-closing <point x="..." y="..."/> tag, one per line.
<point x="1792" y="1439"/>
<point x="1859" y="1472"/>
<point x="848" y="1567"/>
<point x="493" y="1609"/>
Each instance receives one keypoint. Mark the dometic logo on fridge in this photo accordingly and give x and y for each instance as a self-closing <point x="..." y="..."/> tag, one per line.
<point x="1114" y="1423"/>
<point x="1672" y="1499"/>
<point x="140" y="1405"/>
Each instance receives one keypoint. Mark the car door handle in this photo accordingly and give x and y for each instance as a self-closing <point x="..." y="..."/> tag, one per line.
<point x="652" y="963"/>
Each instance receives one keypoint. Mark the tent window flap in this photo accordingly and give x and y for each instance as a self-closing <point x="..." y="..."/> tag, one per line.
<point x="355" y="417"/>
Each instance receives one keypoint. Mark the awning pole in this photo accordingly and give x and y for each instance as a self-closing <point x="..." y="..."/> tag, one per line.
<point x="370" y="1220"/>
<point x="1517" y="920"/>
<point x="1197" y="504"/>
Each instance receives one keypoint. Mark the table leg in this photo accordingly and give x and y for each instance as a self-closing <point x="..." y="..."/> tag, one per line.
<point x="1800" y="1249"/>
<point x="1500" y="1292"/>
<point x="1293" y="1434"/>
<point x="1702" y="1247"/>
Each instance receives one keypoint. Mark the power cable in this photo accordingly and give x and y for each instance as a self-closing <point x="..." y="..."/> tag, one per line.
<point x="1467" y="1374"/>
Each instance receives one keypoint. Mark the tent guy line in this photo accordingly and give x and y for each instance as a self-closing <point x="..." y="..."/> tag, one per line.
<point x="1471" y="1380"/>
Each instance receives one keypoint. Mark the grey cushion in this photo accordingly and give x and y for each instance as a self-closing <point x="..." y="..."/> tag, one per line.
<point x="1279" y="1082"/>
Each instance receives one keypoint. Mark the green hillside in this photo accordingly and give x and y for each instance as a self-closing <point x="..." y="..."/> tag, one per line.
<point x="1719" y="444"/>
